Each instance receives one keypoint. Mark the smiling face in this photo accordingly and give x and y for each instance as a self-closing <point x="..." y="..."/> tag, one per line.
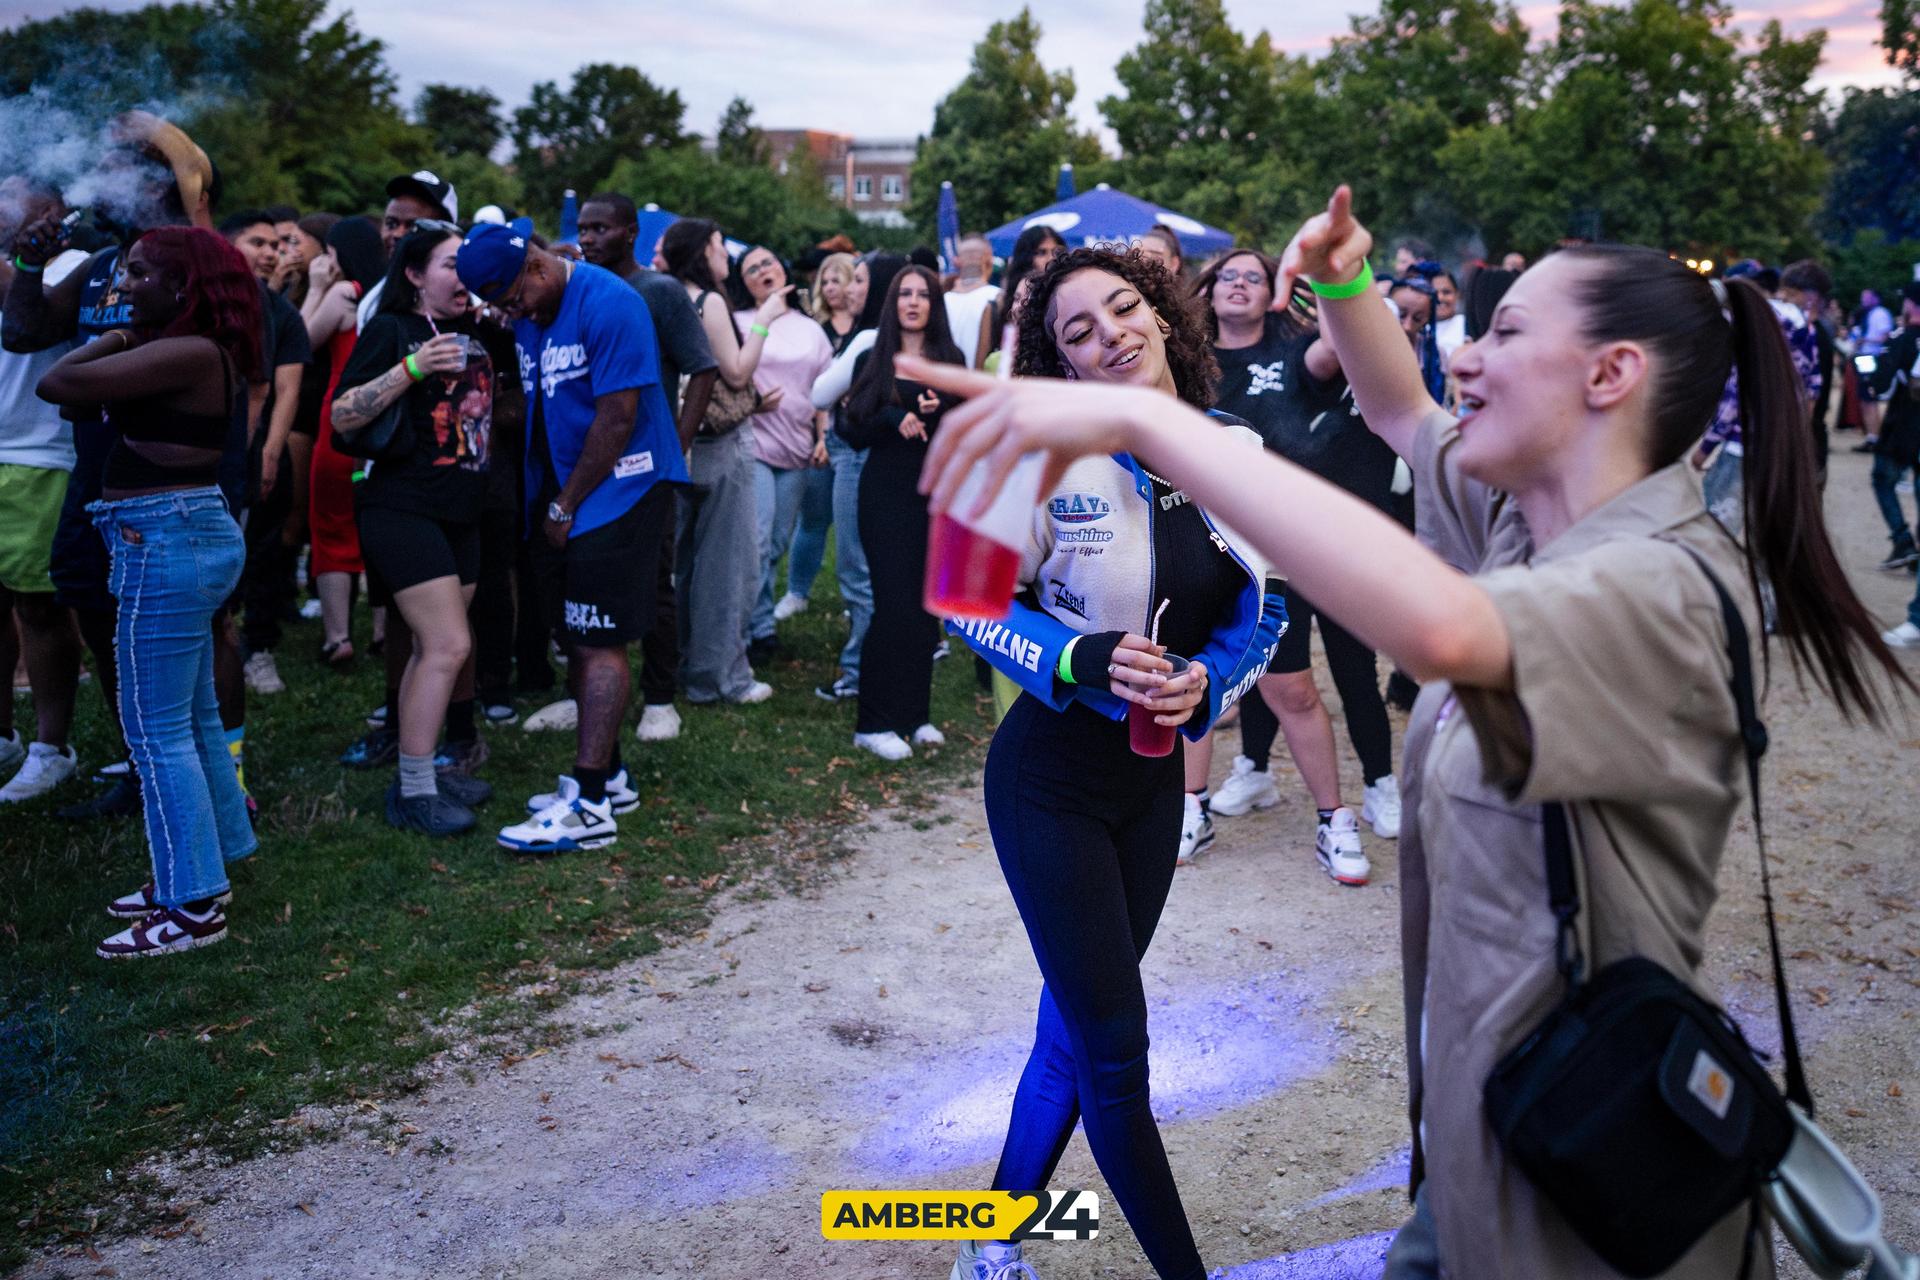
<point x="1242" y="291"/>
<point x="763" y="273"/>
<point x="914" y="303"/>
<point x="151" y="290"/>
<point x="1416" y="308"/>
<point x="1446" y="297"/>
<point x="441" y="293"/>
<point x="259" y="244"/>
<point x="1105" y="331"/>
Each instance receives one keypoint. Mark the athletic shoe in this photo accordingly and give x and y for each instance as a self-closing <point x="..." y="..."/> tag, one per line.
<point x="620" y="794"/>
<point x="568" y="825"/>
<point x="1196" y="832"/>
<point x="165" y="930"/>
<point x="462" y="757"/>
<point x="463" y="788"/>
<point x="1382" y="808"/>
<point x="13" y="752"/>
<point x="788" y="605"/>
<point x="46" y="768"/>
<point x="377" y="718"/>
<point x="1904" y="636"/>
<point x="888" y="746"/>
<point x="1337" y="845"/>
<point x="1900" y="560"/>
<point x="563" y="715"/>
<point x="841" y="690"/>
<point x="140" y="904"/>
<point x="765" y="649"/>
<point x="928" y="736"/>
<point x="119" y="769"/>
<point x="262" y="675"/>
<point x="1903" y="486"/>
<point x="121" y="800"/>
<point x="942" y="651"/>
<point x="373" y="749"/>
<point x="658" y="723"/>
<point x="312" y="610"/>
<point x="1868" y="445"/>
<point x="1244" y="789"/>
<point x="434" y="815"/>
<point x="499" y="713"/>
<point x="758" y="691"/>
<point x="990" y="1260"/>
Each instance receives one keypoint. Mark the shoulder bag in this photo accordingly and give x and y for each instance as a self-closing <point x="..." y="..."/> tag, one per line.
<point x="727" y="406"/>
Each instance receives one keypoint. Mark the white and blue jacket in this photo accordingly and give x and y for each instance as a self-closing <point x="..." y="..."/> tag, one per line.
<point x="1090" y="566"/>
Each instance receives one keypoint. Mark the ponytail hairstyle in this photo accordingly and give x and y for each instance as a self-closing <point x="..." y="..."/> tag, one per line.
<point x="220" y="298"/>
<point x="1632" y="294"/>
<point x="684" y="246"/>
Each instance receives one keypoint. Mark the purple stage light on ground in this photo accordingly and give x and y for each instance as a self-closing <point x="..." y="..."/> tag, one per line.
<point x="1391" y="1173"/>
<point x="1361" y="1258"/>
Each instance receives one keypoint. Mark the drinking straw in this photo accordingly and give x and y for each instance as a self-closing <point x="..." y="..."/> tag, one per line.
<point x="1153" y="632"/>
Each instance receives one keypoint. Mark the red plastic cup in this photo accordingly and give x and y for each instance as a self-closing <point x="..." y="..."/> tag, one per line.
<point x="1146" y="737"/>
<point x="972" y="563"/>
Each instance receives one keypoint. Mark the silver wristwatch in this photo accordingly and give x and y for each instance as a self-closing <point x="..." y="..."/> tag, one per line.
<point x="559" y="514"/>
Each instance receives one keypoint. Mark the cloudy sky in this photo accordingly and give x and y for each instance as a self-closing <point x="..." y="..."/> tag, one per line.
<point x="869" y="67"/>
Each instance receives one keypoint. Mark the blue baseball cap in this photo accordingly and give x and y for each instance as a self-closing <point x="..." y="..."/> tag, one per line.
<point x="492" y="255"/>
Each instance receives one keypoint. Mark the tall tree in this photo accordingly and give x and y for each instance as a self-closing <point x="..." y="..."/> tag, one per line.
<point x="1001" y="134"/>
<point x="1900" y="36"/>
<point x="737" y="140"/>
<point x="1874" y="145"/>
<point x="461" y="121"/>
<point x="573" y="137"/>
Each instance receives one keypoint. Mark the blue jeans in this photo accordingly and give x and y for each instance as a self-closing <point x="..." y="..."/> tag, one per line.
<point x="176" y="558"/>
<point x="777" y="495"/>
<point x="850" y="558"/>
<point x="1886" y="474"/>
<point x="808" y="550"/>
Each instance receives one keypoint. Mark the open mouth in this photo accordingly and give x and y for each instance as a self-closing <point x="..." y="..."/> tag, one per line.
<point x="1240" y="296"/>
<point x="1469" y="405"/>
<point x="1126" y="359"/>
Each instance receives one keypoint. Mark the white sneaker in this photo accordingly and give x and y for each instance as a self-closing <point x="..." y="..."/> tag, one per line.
<point x="1382" y="808"/>
<point x="1245" y="788"/>
<point x="888" y="746"/>
<point x="928" y="736"/>
<point x="561" y="715"/>
<point x="1904" y="636"/>
<point x="658" y="724"/>
<point x="568" y="825"/>
<point x="942" y="651"/>
<point x="1337" y="845"/>
<point x="311" y="610"/>
<point x="262" y="675"/>
<point x="758" y="691"/>
<point x="1196" y="831"/>
<point x="46" y="768"/>
<point x="788" y="605"/>
<point x="990" y="1260"/>
<point x="12" y="750"/>
<point x="621" y="795"/>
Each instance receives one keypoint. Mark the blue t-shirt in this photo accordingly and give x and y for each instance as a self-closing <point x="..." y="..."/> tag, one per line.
<point x="601" y="341"/>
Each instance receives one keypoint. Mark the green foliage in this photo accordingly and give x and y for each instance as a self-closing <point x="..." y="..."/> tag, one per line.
<point x="1900" y="36"/>
<point x="737" y="140"/>
<point x="751" y="202"/>
<point x="461" y="121"/>
<point x="1868" y="259"/>
<point x="574" y="137"/>
<point x="1874" y="142"/>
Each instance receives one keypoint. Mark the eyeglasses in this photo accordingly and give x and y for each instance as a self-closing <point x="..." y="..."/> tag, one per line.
<point x="1249" y="276"/>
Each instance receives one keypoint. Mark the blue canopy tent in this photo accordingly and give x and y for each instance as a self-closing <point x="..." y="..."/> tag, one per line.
<point x="653" y="222"/>
<point x="1106" y="216"/>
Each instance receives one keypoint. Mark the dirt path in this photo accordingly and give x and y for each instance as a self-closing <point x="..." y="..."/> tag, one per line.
<point x="868" y="1033"/>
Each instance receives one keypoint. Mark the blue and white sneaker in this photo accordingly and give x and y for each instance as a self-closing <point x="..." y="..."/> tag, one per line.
<point x="568" y="825"/>
<point x="990" y="1260"/>
<point x="620" y="794"/>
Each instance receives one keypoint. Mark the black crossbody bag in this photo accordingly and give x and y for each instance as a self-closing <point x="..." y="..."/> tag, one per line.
<point x="1636" y="1107"/>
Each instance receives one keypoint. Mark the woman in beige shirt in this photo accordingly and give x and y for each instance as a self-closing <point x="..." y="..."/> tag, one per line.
<point x="1570" y="648"/>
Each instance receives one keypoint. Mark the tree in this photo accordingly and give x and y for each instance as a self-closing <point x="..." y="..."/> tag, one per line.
<point x="1874" y="145"/>
<point x="737" y="140"/>
<point x="1900" y="36"/>
<point x="573" y="138"/>
<point x="1001" y="134"/>
<point x="460" y="121"/>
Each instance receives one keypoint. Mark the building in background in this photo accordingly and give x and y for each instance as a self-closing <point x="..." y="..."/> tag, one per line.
<point x="866" y="175"/>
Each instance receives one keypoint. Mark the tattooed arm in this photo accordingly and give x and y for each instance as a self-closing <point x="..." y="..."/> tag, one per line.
<point x="356" y="408"/>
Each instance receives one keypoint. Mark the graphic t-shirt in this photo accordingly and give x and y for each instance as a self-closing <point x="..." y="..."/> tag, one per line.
<point x="449" y="416"/>
<point x="1310" y="423"/>
<point x="601" y="341"/>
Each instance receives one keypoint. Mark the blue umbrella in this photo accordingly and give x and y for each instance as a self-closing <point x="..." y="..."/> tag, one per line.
<point x="569" y="218"/>
<point x="1106" y="216"/>
<point x="949" y="227"/>
<point x="1063" y="190"/>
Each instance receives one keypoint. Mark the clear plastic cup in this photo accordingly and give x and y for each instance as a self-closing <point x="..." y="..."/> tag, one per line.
<point x="972" y="563"/>
<point x="1146" y="737"/>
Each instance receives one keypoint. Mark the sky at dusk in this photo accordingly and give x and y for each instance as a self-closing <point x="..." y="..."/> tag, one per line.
<point x="872" y="67"/>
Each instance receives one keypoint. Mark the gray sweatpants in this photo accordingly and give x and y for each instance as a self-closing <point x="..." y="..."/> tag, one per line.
<point x="719" y="567"/>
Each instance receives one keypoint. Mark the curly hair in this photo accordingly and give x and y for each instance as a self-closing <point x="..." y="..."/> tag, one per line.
<point x="1196" y="373"/>
<point x="220" y="298"/>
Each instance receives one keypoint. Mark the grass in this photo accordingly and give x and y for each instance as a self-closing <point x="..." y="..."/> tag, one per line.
<point x="354" y="951"/>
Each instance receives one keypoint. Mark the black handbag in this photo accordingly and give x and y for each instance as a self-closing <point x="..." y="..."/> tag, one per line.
<point x="1636" y="1107"/>
<point x="388" y="436"/>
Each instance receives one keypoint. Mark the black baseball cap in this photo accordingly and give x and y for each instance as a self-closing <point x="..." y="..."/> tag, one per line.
<point x="430" y="187"/>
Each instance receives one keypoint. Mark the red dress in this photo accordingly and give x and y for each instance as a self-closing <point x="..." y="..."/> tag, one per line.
<point x="335" y="536"/>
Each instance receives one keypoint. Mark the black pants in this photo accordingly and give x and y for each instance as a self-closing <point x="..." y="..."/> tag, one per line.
<point x="1086" y="832"/>
<point x="268" y="575"/>
<point x="492" y="612"/>
<point x="896" y="659"/>
<point x="660" y="647"/>
<point x="1355" y="676"/>
<point x="531" y="630"/>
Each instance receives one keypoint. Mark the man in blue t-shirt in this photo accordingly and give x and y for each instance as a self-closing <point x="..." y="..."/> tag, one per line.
<point x="600" y="442"/>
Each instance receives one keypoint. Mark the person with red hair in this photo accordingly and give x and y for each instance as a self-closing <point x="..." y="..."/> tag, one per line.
<point x="171" y="388"/>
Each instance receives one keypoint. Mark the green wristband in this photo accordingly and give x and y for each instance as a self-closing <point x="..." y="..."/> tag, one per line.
<point x="27" y="267"/>
<point x="760" y="329"/>
<point x="413" y="369"/>
<point x="1351" y="289"/>
<point x="1064" y="668"/>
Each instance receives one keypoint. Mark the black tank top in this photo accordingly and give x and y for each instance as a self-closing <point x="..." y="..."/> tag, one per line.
<point x="149" y="421"/>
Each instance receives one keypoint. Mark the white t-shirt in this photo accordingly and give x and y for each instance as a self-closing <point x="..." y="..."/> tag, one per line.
<point x="32" y="432"/>
<point x="963" y="317"/>
<point x="1451" y="334"/>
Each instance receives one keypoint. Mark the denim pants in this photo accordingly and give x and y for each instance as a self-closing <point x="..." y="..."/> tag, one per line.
<point x="850" y="558"/>
<point x="777" y="496"/>
<point x="1886" y="474"/>
<point x="808" y="550"/>
<point x="176" y="557"/>
<point x="718" y="567"/>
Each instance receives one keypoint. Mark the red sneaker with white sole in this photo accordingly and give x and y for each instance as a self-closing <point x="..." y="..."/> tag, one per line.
<point x="166" y="930"/>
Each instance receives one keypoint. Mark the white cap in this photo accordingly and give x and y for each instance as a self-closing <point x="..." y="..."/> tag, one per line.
<point x="491" y="213"/>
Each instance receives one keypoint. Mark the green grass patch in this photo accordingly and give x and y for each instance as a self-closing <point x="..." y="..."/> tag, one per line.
<point x="354" y="951"/>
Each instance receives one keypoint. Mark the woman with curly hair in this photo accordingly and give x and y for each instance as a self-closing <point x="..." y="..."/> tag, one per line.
<point x="1086" y="829"/>
<point x="171" y="387"/>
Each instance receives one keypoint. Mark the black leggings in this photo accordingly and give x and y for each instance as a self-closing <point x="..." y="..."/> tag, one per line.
<point x="896" y="658"/>
<point x="1086" y="832"/>
<point x="1355" y="677"/>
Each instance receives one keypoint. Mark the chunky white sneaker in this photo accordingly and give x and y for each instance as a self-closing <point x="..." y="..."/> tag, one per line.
<point x="1196" y="831"/>
<point x="788" y="605"/>
<point x="928" y="736"/>
<point x="568" y="825"/>
<point x="888" y="746"/>
<point x="1904" y="636"/>
<point x="658" y="724"/>
<point x="1337" y="845"/>
<point x="311" y="610"/>
<point x="1382" y="808"/>
<point x="620" y="795"/>
<point x="12" y="750"/>
<point x="46" y="768"/>
<point x="563" y="715"/>
<point x="990" y="1260"/>
<point x="758" y="691"/>
<point x="1245" y="788"/>
<point x="262" y="675"/>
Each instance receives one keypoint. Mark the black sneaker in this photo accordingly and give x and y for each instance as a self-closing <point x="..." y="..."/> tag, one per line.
<point x="434" y="815"/>
<point x="121" y="800"/>
<point x="461" y="757"/>
<point x="463" y="788"/>
<point x="377" y="748"/>
<point x="841" y="690"/>
<point x="1901" y="560"/>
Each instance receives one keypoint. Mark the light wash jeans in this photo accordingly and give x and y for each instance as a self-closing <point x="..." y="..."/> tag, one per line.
<point x="808" y="550"/>
<point x="778" y="495"/>
<point x="718" y="567"/>
<point x="850" y="558"/>
<point x="176" y="558"/>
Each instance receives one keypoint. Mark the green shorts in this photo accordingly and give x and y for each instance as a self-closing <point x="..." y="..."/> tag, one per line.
<point x="30" y="499"/>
